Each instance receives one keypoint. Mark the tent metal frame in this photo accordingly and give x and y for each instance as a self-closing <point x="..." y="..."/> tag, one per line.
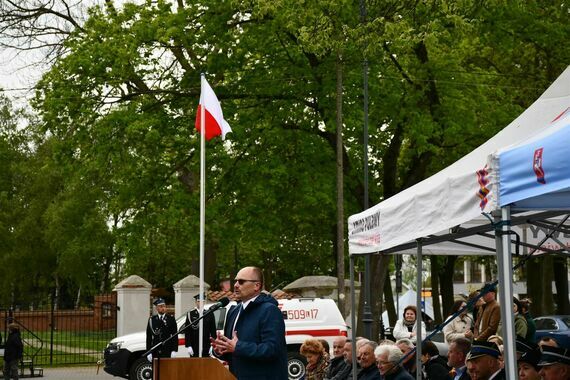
<point x="503" y="243"/>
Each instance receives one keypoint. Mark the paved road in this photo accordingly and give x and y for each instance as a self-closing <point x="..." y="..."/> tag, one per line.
<point x="80" y="372"/>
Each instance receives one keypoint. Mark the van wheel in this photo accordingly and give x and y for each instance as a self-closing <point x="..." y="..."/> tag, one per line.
<point x="296" y="366"/>
<point x="141" y="370"/>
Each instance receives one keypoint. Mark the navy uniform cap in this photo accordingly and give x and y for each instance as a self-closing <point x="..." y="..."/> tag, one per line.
<point x="524" y="345"/>
<point x="159" y="301"/>
<point x="531" y="357"/>
<point x="197" y="296"/>
<point x="481" y="347"/>
<point x="553" y="355"/>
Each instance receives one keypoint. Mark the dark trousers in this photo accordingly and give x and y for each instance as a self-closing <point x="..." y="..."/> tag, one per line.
<point x="11" y="369"/>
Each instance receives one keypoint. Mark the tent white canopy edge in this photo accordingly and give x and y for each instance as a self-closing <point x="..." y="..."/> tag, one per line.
<point x="456" y="194"/>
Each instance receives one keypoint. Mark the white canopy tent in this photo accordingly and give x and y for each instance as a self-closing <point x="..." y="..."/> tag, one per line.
<point x="437" y="210"/>
<point x="457" y="194"/>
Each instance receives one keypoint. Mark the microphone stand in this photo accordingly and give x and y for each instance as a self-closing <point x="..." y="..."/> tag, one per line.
<point x="183" y="329"/>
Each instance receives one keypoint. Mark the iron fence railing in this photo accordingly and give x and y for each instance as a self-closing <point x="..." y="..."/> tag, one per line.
<point x="53" y="336"/>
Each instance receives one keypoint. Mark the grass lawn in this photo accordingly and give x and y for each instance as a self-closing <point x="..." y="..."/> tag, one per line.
<point x="69" y="347"/>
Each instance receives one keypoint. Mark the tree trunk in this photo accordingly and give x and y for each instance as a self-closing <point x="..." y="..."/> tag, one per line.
<point x="210" y="263"/>
<point x="434" y="263"/>
<point x="378" y="273"/>
<point x="539" y="284"/>
<point x="446" y="284"/>
<point x="389" y="303"/>
<point x="339" y="190"/>
<point x="561" y="281"/>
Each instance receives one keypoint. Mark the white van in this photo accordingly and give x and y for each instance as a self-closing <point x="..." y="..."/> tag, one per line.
<point x="304" y="318"/>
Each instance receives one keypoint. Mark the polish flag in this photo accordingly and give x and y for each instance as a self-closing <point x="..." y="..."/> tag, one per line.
<point x="213" y="116"/>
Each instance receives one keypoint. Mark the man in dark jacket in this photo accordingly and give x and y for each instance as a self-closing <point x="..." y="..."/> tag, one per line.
<point x="346" y="371"/>
<point x="435" y="367"/>
<point x="337" y="363"/>
<point x="254" y="335"/>
<point x="388" y="361"/>
<point x="458" y="350"/>
<point x="192" y="334"/>
<point x="368" y="369"/>
<point x="159" y="328"/>
<point x="13" y="352"/>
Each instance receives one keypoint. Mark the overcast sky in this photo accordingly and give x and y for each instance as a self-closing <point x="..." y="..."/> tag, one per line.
<point x="19" y="73"/>
<point x="17" y="76"/>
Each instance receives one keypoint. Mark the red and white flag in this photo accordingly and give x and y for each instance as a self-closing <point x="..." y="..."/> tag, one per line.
<point x="213" y="116"/>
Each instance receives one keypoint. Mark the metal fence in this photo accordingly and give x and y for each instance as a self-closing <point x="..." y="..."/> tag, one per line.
<point x="53" y="336"/>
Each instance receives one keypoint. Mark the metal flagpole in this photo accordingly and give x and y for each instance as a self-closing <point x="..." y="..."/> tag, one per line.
<point x="202" y="211"/>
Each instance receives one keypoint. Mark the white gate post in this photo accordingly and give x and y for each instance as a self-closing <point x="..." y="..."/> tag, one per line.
<point x="133" y="304"/>
<point x="184" y="292"/>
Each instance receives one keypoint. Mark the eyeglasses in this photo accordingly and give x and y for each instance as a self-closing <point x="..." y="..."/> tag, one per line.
<point x="241" y="281"/>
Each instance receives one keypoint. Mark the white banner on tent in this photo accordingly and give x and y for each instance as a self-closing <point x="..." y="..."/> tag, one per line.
<point x="458" y="193"/>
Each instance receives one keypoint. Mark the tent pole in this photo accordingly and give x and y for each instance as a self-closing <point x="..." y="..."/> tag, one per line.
<point x="503" y="242"/>
<point x="367" y="310"/>
<point x="353" y="311"/>
<point x="419" y="316"/>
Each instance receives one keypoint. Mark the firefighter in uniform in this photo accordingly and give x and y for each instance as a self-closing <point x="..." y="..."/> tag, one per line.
<point x="160" y="327"/>
<point x="192" y="333"/>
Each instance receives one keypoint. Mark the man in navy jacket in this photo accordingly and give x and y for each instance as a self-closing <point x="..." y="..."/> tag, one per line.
<point x="254" y="335"/>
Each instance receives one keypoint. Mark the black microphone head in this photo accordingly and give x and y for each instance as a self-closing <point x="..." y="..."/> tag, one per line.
<point x="224" y="301"/>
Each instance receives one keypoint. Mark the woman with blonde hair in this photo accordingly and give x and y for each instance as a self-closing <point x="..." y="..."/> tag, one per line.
<point x="317" y="363"/>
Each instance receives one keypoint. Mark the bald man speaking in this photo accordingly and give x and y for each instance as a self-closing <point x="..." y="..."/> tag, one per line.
<point x="254" y="335"/>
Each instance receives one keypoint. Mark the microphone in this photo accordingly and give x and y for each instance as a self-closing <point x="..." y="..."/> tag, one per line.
<point x="221" y="303"/>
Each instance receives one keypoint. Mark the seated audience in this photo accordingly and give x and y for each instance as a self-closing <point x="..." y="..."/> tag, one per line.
<point x="337" y="362"/>
<point x="317" y="364"/>
<point x="548" y="341"/>
<point x="458" y="350"/>
<point x="387" y="359"/>
<point x="554" y="363"/>
<point x="345" y="373"/>
<point x="434" y="366"/>
<point x="368" y="369"/>
<point x="409" y="363"/>
<point x="528" y="365"/>
<point x="483" y="361"/>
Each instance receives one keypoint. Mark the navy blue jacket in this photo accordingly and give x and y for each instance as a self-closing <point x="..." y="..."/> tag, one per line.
<point x="370" y="373"/>
<point x="399" y="374"/>
<point x="261" y="351"/>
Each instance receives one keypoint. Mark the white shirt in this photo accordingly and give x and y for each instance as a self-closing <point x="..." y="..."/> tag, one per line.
<point x="243" y="306"/>
<point x="494" y="375"/>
